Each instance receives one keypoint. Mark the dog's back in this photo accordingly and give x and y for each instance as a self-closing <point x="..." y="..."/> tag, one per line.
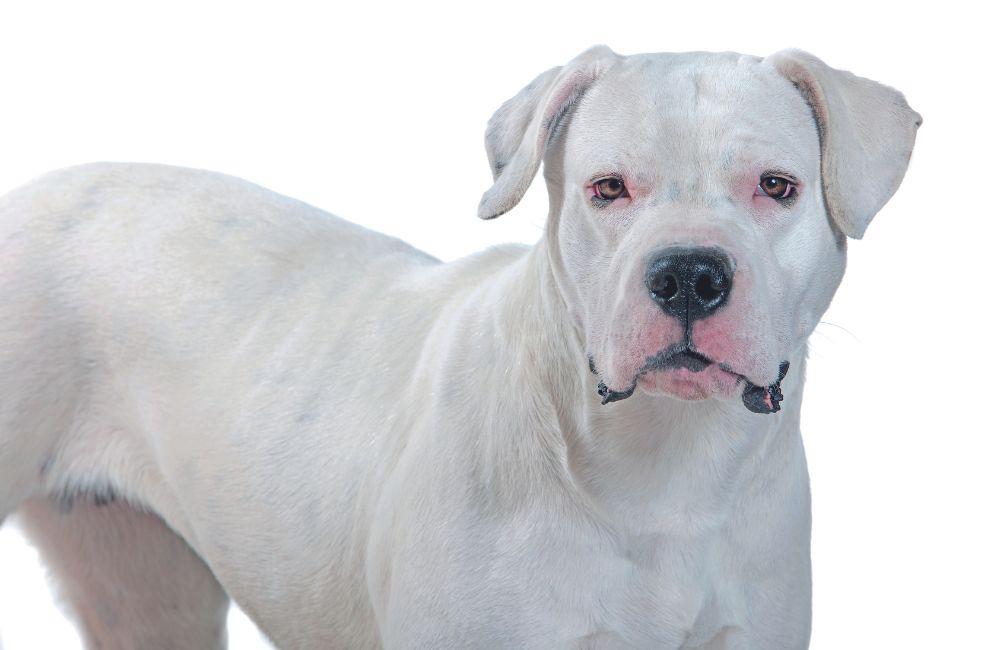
<point x="99" y="263"/>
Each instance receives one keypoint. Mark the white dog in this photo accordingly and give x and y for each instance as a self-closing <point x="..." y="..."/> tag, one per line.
<point x="208" y="390"/>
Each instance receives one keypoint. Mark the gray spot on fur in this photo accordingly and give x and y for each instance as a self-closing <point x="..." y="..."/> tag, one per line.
<point x="100" y="496"/>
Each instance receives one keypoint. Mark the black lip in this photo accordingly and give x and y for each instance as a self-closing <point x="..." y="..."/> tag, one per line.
<point x="608" y="395"/>
<point x="676" y="357"/>
<point x="765" y="399"/>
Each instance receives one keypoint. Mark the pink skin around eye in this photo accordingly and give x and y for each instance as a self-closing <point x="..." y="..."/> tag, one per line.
<point x="759" y="191"/>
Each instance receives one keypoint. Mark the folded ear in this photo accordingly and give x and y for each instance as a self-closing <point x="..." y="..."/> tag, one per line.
<point x="520" y="130"/>
<point x="866" y="133"/>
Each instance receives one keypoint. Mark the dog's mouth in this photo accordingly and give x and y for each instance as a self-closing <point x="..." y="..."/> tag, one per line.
<point x="671" y="358"/>
<point x="757" y="399"/>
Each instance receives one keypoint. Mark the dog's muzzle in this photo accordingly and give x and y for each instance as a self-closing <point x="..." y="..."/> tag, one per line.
<point x="689" y="284"/>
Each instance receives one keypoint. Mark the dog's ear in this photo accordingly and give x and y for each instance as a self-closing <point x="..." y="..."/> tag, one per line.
<point x="866" y="133"/>
<point x="520" y="130"/>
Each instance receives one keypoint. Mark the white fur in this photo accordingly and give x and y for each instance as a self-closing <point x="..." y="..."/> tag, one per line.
<point x="367" y="448"/>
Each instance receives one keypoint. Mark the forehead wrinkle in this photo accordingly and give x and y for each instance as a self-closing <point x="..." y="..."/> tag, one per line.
<point x="697" y="117"/>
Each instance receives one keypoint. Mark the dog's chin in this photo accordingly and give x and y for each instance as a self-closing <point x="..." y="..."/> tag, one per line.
<point x="686" y="384"/>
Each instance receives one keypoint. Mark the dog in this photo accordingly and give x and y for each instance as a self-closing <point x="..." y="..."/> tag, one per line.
<point x="211" y="391"/>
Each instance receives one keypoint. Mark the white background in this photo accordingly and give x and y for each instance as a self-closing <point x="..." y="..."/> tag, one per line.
<point x="376" y="113"/>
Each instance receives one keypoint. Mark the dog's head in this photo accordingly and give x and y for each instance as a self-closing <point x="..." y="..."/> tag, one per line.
<point x="699" y="206"/>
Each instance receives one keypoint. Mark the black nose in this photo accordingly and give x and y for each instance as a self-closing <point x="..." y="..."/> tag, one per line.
<point x="689" y="283"/>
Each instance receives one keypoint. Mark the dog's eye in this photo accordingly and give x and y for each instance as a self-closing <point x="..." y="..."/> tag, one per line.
<point x="775" y="187"/>
<point x="609" y="189"/>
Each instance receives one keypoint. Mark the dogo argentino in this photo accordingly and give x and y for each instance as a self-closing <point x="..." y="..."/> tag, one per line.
<point x="210" y="391"/>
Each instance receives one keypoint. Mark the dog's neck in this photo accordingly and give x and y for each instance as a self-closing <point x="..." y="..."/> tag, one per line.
<point x="650" y="463"/>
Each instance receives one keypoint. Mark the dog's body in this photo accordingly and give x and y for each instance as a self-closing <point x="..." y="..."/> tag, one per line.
<point x="368" y="448"/>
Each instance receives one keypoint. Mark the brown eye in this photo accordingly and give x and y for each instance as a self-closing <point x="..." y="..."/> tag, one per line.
<point x="610" y="188"/>
<point x="776" y="187"/>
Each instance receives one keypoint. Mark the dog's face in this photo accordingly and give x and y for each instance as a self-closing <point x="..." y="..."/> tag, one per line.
<point x="699" y="205"/>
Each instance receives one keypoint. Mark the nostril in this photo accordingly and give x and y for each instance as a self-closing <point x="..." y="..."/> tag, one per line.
<point x="708" y="289"/>
<point x="667" y="288"/>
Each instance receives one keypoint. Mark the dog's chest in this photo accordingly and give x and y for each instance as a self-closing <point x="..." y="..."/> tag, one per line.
<point x="648" y="591"/>
<point x="666" y="591"/>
